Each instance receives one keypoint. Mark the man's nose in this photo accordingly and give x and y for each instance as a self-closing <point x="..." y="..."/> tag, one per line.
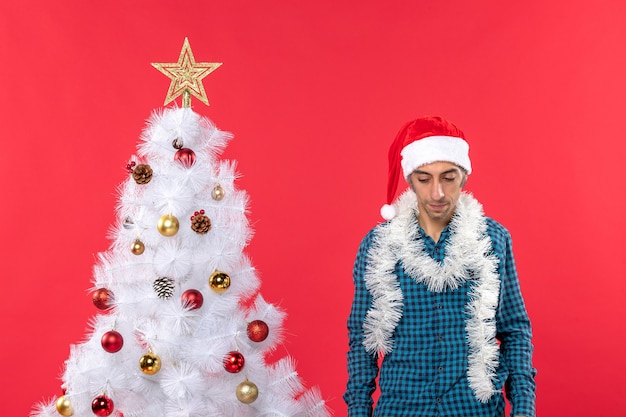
<point x="436" y="192"/>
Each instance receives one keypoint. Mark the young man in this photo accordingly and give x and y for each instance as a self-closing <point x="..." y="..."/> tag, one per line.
<point x="437" y="298"/>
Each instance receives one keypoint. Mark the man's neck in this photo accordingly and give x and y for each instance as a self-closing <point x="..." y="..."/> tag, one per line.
<point x="432" y="227"/>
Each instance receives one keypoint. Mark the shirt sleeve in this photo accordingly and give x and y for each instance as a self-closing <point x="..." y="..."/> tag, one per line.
<point x="362" y="367"/>
<point x="514" y="333"/>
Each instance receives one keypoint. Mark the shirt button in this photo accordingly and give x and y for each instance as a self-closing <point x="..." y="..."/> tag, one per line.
<point x="439" y="400"/>
<point x="440" y="369"/>
<point x="440" y="337"/>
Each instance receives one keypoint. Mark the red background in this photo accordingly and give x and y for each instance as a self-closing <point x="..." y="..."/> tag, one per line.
<point x="314" y="93"/>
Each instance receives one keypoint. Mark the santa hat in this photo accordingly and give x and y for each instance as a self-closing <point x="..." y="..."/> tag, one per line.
<point x="420" y="142"/>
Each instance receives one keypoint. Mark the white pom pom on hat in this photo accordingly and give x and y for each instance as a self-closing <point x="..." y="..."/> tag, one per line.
<point x="420" y="142"/>
<point x="388" y="211"/>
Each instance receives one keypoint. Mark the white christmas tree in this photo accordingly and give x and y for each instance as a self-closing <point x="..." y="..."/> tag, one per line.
<point x="183" y="330"/>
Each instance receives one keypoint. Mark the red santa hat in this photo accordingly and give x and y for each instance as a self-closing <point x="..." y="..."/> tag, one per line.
<point x="420" y="142"/>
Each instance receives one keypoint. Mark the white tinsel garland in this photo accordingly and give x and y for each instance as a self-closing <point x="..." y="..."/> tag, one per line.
<point x="469" y="249"/>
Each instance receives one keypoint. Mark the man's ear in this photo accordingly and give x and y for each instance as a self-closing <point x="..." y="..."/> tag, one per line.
<point x="408" y="179"/>
<point x="464" y="181"/>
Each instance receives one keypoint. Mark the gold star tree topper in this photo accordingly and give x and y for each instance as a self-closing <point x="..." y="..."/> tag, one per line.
<point x="186" y="76"/>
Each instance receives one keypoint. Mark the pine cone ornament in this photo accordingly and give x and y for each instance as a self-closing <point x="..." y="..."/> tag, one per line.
<point x="164" y="287"/>
<point x="142" y="174"/>
<point x="200" y="223"/>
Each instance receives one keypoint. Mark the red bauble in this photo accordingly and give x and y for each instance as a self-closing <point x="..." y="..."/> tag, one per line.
<point x="102" y="406"/>
<point x="233" y="362"/>
<point x="185" y="156"/>
<point x="192" y="299"/>
<point x="102" y="298"/>
<point x="112" y="341"/>
<point x="258" y="330"/>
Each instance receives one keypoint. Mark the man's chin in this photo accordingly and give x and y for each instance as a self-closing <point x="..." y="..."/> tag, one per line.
<point x="437" y="215"/>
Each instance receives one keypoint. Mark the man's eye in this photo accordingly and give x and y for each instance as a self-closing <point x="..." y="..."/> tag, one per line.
<point x="449" y="179"/>
<point x="423" y="180"/>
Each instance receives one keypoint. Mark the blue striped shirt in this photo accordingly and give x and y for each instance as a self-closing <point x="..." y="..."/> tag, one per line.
<point x="426" y="373"/>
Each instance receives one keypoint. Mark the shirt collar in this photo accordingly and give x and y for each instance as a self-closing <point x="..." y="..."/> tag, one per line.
<point x="445" y="234"/>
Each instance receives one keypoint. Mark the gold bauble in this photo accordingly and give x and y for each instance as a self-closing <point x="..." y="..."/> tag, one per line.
<point x="247" y="392"/>
<point x="218" y="192"/>
<point x="137" y="247"/>
<point x="168" y="225"/>
<point x="219" y="281"/>
<point x="150" y="363"/>
<point x="64" y="406"/>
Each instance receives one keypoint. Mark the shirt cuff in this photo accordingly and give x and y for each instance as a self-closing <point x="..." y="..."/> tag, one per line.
<point x="523" y="407"/>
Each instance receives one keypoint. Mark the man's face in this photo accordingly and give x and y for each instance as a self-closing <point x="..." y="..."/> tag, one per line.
<point x="438" y="187"/>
